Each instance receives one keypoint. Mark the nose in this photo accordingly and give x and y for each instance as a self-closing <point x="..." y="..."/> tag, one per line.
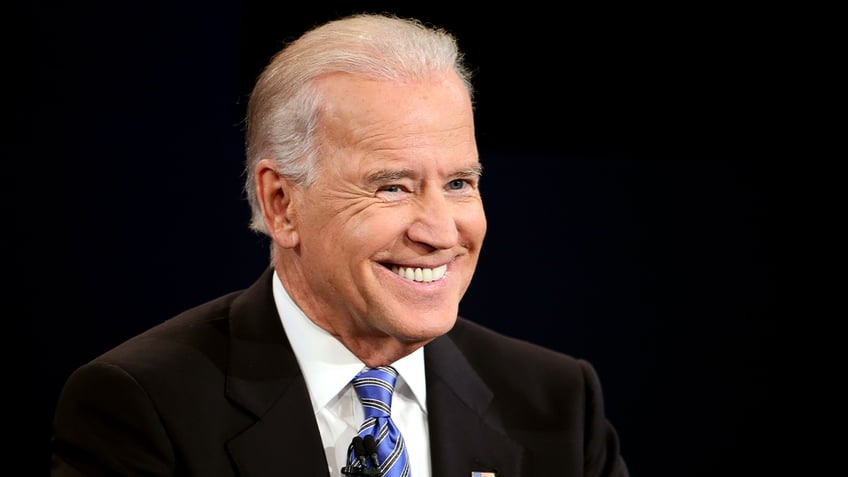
<point x="436" y="222"/>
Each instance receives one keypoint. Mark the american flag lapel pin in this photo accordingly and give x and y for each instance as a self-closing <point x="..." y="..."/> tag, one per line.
<point x="482" y="474"/>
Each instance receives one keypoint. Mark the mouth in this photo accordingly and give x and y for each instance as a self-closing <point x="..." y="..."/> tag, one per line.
<point x="419" y="274"/>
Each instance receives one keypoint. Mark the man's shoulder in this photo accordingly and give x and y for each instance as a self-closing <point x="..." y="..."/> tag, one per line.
<point x="505" y="363"/>
<point x="483" y="343"/>
<point x="201" y="327"/>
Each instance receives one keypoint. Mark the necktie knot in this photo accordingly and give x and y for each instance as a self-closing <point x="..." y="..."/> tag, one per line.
<point x="375" y="386"/>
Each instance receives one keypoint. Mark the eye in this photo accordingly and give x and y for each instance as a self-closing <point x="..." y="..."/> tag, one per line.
<point x="457" y="184"/>
<point x="393" y="192"/>
<point x="392" y="188"/>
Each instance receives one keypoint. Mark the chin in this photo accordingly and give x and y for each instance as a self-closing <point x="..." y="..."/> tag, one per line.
<point x="425" y="328"/>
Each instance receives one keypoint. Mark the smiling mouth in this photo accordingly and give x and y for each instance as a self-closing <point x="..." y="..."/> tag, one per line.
<point x="418" y="274"/>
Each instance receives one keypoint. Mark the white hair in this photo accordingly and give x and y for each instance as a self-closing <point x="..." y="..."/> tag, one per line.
<point x="283" y="108"/>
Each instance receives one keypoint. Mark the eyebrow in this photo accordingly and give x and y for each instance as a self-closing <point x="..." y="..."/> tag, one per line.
<point x="473" y="171"/>
<point x="383" y="176"/>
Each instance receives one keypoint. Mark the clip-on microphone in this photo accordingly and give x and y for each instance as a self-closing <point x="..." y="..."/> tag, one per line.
<point x="370" y="448"/>
<point x="362" y="449"/>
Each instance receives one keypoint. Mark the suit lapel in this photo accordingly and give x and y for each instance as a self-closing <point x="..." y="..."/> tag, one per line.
<point x="263" y="377"/>
<point x="465" y="436"/>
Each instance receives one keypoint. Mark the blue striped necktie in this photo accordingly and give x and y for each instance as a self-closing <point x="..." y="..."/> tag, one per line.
<point x="375" y="387"/>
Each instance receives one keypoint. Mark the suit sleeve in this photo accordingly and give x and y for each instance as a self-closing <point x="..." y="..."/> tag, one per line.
<point x="603" y="456"/>
<point x="105" y="424"/>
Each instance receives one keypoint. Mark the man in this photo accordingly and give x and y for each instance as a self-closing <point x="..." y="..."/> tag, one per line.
<point x="362" y="168"/>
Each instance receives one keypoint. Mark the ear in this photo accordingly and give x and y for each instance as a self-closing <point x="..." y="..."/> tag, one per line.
<point x="275" y="194"/>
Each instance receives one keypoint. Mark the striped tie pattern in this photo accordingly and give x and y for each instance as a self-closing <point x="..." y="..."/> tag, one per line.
<point x="375" y="387"/>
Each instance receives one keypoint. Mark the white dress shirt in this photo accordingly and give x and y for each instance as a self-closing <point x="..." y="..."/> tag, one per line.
<point x="328" y="368"/>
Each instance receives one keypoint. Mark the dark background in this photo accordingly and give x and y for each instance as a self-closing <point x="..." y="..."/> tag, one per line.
<point x="631" y="216"/>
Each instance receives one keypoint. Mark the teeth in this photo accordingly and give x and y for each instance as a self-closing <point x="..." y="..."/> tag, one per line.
<point x="421" y="274"/>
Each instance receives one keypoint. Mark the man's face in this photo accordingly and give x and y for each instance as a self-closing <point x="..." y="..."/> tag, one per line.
<point x="390" y="232"/>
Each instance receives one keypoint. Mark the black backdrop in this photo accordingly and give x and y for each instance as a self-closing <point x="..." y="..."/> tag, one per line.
<point x="627" y="223"/>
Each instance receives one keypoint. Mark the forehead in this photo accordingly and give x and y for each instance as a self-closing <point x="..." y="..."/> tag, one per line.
<point x="380" y="122"/>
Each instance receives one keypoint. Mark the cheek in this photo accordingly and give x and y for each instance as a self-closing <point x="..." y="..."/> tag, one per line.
<point x="378" y="228"/>
<point x="472" y="225"/>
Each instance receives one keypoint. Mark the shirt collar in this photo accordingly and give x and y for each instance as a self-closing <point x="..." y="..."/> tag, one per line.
<point x="327" y="365"/>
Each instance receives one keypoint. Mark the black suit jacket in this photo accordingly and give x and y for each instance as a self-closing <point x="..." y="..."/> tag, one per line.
<point x="217" y="391"/>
